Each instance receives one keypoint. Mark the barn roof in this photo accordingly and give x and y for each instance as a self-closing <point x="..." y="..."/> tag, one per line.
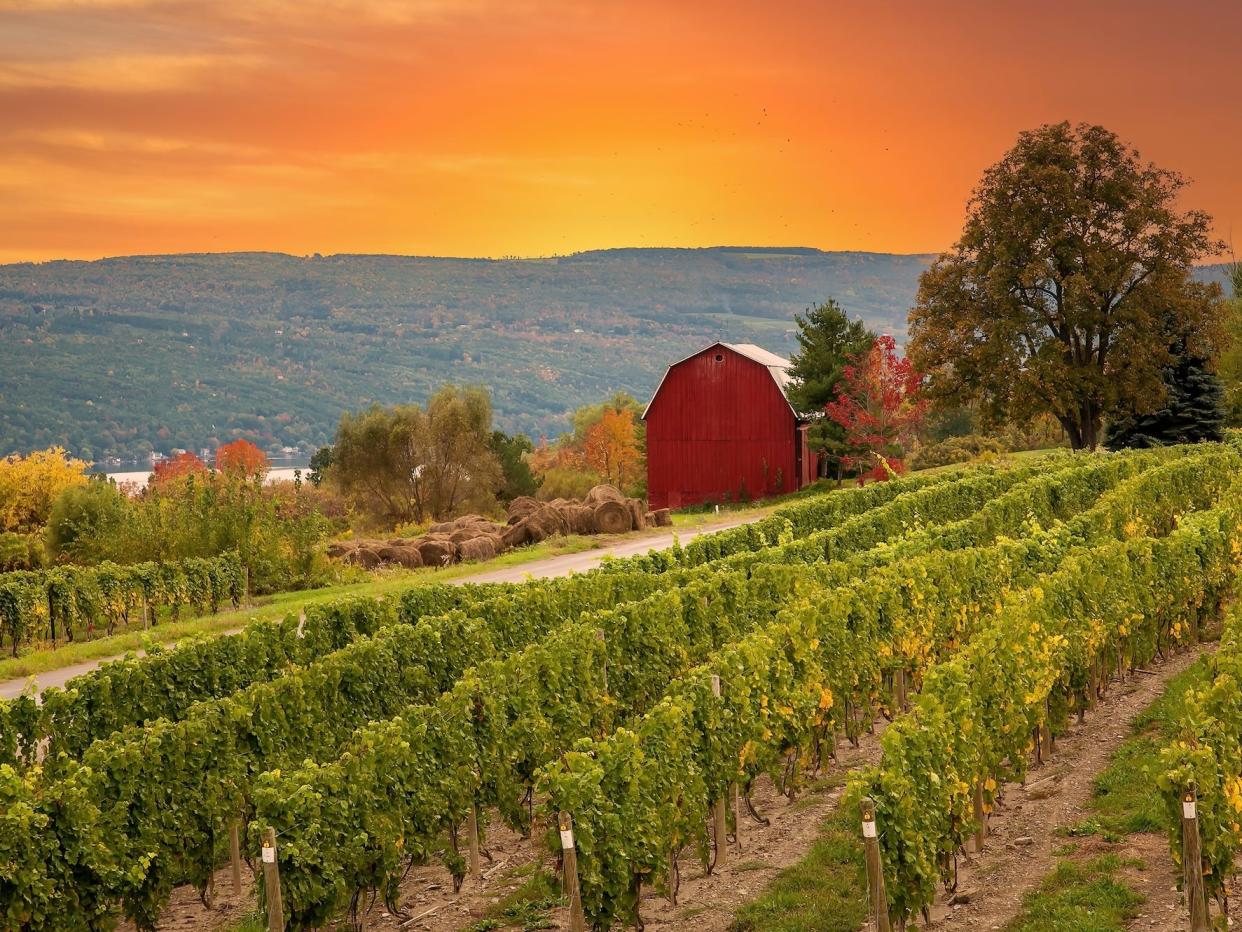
<point x="778" y="367"/>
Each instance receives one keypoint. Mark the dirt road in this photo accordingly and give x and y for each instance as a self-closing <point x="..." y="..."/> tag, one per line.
<point x="537" y="569"/>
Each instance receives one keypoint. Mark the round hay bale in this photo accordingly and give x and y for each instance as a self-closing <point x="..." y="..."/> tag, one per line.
<point x="481" y="548"/>
<point x="638" y="512"/>
<point x="603" y="493"/>
<point x="342" y="548"/>
<point x="515" y="535"/>
<point x="580" y="518"/>
<point x="663" y="517"/>
<point x="444" y="527"/>
<point x="365" y="556"/>
<point x="544" y="523"/>
<point x="522" y="506"/>
<point x="403" y="554"/>
<point x="437" y="551"/>
<point x="613" y="517"/>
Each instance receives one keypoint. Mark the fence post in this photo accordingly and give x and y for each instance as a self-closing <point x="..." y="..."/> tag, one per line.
<point x="472" y="829"/>
<point x="271" y="882"/>
<point x="235" y="855"/>
<point x="718" y="810"/>
<point x="875" y="870"/>
<point x="1192" y="862"/>
<point x="577" y="920"/>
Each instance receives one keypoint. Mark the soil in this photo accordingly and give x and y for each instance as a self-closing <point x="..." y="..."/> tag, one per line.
<point x="1018" y="854"/>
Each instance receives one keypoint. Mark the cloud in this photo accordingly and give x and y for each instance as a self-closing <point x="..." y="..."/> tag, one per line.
<point x="134" y="73"/>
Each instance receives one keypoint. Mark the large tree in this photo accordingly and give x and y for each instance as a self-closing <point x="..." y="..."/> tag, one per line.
<point x="827" y="341"/>
<point x="1230" y="363"/>
<point x="407" y="463"/>
<point x="1073" y="253"/>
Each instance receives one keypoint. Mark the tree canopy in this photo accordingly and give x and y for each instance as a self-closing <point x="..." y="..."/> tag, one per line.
<point x="1073" y="252"/>
<point x="407" y="463"/>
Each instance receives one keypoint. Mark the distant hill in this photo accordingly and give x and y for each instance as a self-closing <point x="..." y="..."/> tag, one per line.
<point x="122" y="356"/>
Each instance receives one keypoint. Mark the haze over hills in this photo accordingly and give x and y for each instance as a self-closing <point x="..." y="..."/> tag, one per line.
<point x="120" y="357"/>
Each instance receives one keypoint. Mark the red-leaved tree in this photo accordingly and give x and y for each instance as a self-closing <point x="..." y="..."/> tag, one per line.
<point x="880" y="406"/>
<point x="241" y="458"/>
<point x="183" y="464"/>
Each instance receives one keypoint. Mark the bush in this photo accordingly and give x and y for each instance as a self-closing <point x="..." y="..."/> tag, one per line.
<point x="955" y="450"/>
<point x="20" y="552"/>
<point x="85" y="520"/>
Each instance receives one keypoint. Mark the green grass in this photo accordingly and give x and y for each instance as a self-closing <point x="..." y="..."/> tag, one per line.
<point x="528" y="906"/>
<point x="1125" y="797"/>
<point x="1081" y="896"/>
<point x="276" y="606"/>
<point x="820" y="892"/>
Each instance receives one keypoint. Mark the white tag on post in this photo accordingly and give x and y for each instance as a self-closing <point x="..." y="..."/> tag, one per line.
<point x="1188" y="810"/>
<point x="567" y="838"/>
<point x="269" y="855"/>
<point x="869" y="829"/>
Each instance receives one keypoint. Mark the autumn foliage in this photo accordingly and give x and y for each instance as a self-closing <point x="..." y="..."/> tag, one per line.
<point x="177" y="467"/>
<point x="880" y="407"/>
<point x="241" y="458"/>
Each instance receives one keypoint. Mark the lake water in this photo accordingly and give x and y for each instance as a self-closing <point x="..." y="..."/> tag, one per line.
<point x="282" y="470"/>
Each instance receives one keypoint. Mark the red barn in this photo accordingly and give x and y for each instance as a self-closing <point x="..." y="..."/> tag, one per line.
<point x="720" y="427"/>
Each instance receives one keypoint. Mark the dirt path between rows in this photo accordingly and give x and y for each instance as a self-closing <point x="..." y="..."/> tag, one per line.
<point x="546" y="568"/>
<point x="1023" y="829"/>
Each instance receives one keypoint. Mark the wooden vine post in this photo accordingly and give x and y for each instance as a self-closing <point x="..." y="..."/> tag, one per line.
<point x="1045" y="733"/>
<point x="599" y="636"/>
<point x="719" y="824"/>
<point x="981" y="819"/>
<point x="569" y="880"/>
<point x="235" y="855"/>
<point x="899" y="689"/>
<point x="875" y="869"/>
<point x="1192" y="862"/>
<point x="472" y="830"/>
<point x="735" y="801"/>
<point x="271" y="883"/>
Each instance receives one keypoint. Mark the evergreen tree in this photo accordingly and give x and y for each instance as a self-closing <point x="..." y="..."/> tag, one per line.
<point x="1193" y="410"/>
<point x="828" y="340"/>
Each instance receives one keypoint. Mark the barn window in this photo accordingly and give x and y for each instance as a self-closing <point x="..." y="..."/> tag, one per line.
<point x="720" y="357"/>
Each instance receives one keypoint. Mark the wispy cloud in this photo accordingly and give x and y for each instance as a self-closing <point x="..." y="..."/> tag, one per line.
<point x="132" y="73"/>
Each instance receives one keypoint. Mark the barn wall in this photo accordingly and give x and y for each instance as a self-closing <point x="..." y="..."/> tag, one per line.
<point x="712" y="427"/>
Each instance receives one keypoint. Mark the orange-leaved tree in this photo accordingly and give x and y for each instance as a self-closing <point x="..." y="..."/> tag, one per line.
<point x="241" y="458"/>
<point x="610" y="448"/>
<point x="177" y="467"/>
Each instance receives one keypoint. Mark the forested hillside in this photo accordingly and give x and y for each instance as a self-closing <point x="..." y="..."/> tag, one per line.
<point x="122" y="356"/>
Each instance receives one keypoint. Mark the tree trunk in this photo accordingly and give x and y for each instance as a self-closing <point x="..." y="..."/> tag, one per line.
<point x="1083" y="427"/>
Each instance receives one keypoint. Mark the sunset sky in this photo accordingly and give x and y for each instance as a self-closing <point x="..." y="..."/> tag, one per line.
<point x="523" y="127"/>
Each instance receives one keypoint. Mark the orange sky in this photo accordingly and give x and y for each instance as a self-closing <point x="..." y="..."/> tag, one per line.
<point x="524" y="127"/>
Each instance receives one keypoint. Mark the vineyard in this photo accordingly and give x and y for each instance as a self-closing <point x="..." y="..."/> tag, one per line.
<point x="624" y="715"/>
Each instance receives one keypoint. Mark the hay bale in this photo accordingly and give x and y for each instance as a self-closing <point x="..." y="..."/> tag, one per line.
<point x="437" y="551"/>
<point x="365" y="556"/>
<point x="663" y="517"/>
<point x="544" y="523"/>
<point x="638" y="513"/>
<point x="481" y="548"/>
<point x="471" y="531"/>
<point x="516" y="535"/>
<point x="603" y="493"/>
<point x="406" y="554"/>
<point x="579" y="518"/>
<point x="444" y="527"/>
<point x="342" y="548"/>
<point x="522" y="506"/>
<point x="613" y="517"/>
